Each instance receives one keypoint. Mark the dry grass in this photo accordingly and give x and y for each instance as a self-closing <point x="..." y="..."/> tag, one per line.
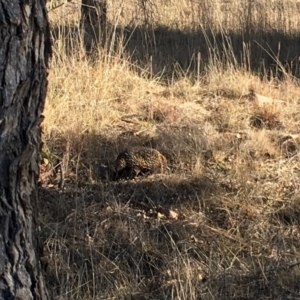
<point x="223" y="223"/>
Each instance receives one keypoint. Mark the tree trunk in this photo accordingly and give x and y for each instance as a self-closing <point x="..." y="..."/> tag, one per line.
<point x="24" y="53"/>
<point x="93" y="23"/>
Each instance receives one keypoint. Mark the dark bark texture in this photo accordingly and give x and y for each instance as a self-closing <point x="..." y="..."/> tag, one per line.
<point x="24" y="53"/>
<point x="93" y="22"/>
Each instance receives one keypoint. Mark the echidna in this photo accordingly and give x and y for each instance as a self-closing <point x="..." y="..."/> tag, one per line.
<point x="135" y="161"/>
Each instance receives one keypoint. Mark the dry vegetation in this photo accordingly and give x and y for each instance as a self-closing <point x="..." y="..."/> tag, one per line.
<point x="213" y="85"/>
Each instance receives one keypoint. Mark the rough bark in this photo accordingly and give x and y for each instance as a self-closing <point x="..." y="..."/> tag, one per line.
<point x="93" y="22"/>
<point x="24" y="53"/>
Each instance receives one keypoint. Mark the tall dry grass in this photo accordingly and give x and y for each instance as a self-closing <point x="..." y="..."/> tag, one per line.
<point x="212" y="85"/>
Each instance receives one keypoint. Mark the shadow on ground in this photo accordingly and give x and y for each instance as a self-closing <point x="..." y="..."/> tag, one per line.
<point x="170" y="53"/>
<point x="117" y="233"/>
<point x="159" y="237"/>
